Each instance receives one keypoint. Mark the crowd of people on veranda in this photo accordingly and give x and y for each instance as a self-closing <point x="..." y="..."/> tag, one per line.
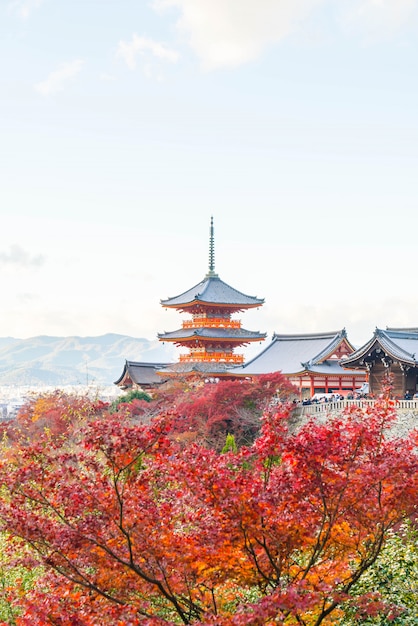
<point x="352" y="395"/>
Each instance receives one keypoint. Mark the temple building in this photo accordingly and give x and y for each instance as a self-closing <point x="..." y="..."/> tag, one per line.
<point x="312" y="362"/>
<point x="210" y="335"/>
<point x="141" y="375"/>
<point x="392" y="352"/>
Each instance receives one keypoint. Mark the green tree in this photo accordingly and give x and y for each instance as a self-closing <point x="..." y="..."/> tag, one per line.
<point x="16" y="580"/>
<point x="230" y="445"/>
<point x="393" y="579"/>
<point x="130" y="396"/>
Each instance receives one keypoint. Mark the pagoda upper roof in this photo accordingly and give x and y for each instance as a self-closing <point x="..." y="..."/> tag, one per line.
<point x="294" y="354"/>
<point x="235" y="334"/>
<point x="401" y="344"/>
<point x="213" y="290"/>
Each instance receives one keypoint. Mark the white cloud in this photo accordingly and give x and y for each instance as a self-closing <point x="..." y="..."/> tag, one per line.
<point x="145" y="47"/>
<point x="57" y="79"/>
<point x="25" y="8"/>
<point x="379" y="18"/>
<point x="227" y="33"/>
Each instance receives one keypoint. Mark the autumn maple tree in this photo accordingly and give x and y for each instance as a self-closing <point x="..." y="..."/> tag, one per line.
<point x="131" y="526"/>
<point x="49" y="415"/>
<point x="207" y="412"/>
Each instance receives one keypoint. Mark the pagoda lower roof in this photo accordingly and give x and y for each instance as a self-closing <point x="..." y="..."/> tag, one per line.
<point x="190" y="367"/>
<point x="294" y="354"/>
<point x="213" y="290"/>
<point x="205" y="333"/>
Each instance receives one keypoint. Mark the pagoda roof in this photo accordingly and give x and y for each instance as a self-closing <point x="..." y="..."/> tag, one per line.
<point x="212" y="368"/>
<point x="213" y="290"/>
<point x="401" y="344"/>
<point x="234" y="334"/>
<point x="295" y="354"/>
<point x="142" y="374"/>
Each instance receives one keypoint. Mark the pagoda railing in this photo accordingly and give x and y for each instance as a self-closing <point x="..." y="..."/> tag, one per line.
<point x="213" y="322"/>
<point x="213" y="357"/>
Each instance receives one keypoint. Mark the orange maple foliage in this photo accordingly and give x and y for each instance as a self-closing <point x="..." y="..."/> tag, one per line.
<point x="134" y="528"/>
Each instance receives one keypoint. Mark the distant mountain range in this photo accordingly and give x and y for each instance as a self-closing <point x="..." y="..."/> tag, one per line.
<point x="60" y="361"/>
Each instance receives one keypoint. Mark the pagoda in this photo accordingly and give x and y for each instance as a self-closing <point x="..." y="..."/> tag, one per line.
<point x="211" y="335"/>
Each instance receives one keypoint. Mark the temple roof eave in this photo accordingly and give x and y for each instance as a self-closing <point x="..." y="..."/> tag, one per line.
<point x="233" y="307"/>
<point x="202" y="367"/>
<point x="212" y="291"/>
<point x="323" y="369"/>
<point x="292" y="353"/>
<point x="395" y="351"/>
<point x="140" y="373"/>
<point x="357" y="355"/>
<point x="326" y="369"/>
<point x="323" y="355"/>
<point x="212" y="334"/>
<point x="382" y="339"/>
<point x="124" y="375"/>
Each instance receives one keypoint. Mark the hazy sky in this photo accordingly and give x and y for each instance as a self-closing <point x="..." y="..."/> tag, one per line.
<point x="126" y="124"/>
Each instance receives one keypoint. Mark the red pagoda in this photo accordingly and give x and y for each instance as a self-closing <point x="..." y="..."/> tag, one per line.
<point x="211" y="335"/>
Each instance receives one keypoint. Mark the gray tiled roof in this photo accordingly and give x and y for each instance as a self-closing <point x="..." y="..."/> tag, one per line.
<point x="400" y="344"/>
<point x="212" y="290"/>
<point x="184" y="367"/>
<point x="330" y="368"/>
<point x="291" y="354"/>
<point x="239" y="334"/>
<point x="142" y="373"/>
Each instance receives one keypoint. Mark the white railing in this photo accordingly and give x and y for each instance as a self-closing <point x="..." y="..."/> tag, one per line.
<point x="332" y="407"/>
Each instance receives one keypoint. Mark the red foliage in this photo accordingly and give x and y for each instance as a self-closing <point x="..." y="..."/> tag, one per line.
<point x="210" y="411"/>
<point x="135" y="529"/>
<point x="51" y="415"/>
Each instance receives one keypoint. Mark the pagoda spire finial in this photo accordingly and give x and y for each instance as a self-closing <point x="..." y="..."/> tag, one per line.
<point x="211" y="271"/>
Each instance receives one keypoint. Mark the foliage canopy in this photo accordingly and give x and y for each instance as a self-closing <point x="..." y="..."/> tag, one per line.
<point x="133" y="524"/>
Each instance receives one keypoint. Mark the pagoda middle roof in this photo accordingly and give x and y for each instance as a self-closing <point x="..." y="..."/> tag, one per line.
<point x="235" y="334"/>
<point x="213" y="290"/>
<point x="292" y="354"/>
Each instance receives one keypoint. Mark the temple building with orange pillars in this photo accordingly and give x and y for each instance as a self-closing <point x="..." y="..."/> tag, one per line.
<point x="313" y="362"/>
<point x="211" y="335"/>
